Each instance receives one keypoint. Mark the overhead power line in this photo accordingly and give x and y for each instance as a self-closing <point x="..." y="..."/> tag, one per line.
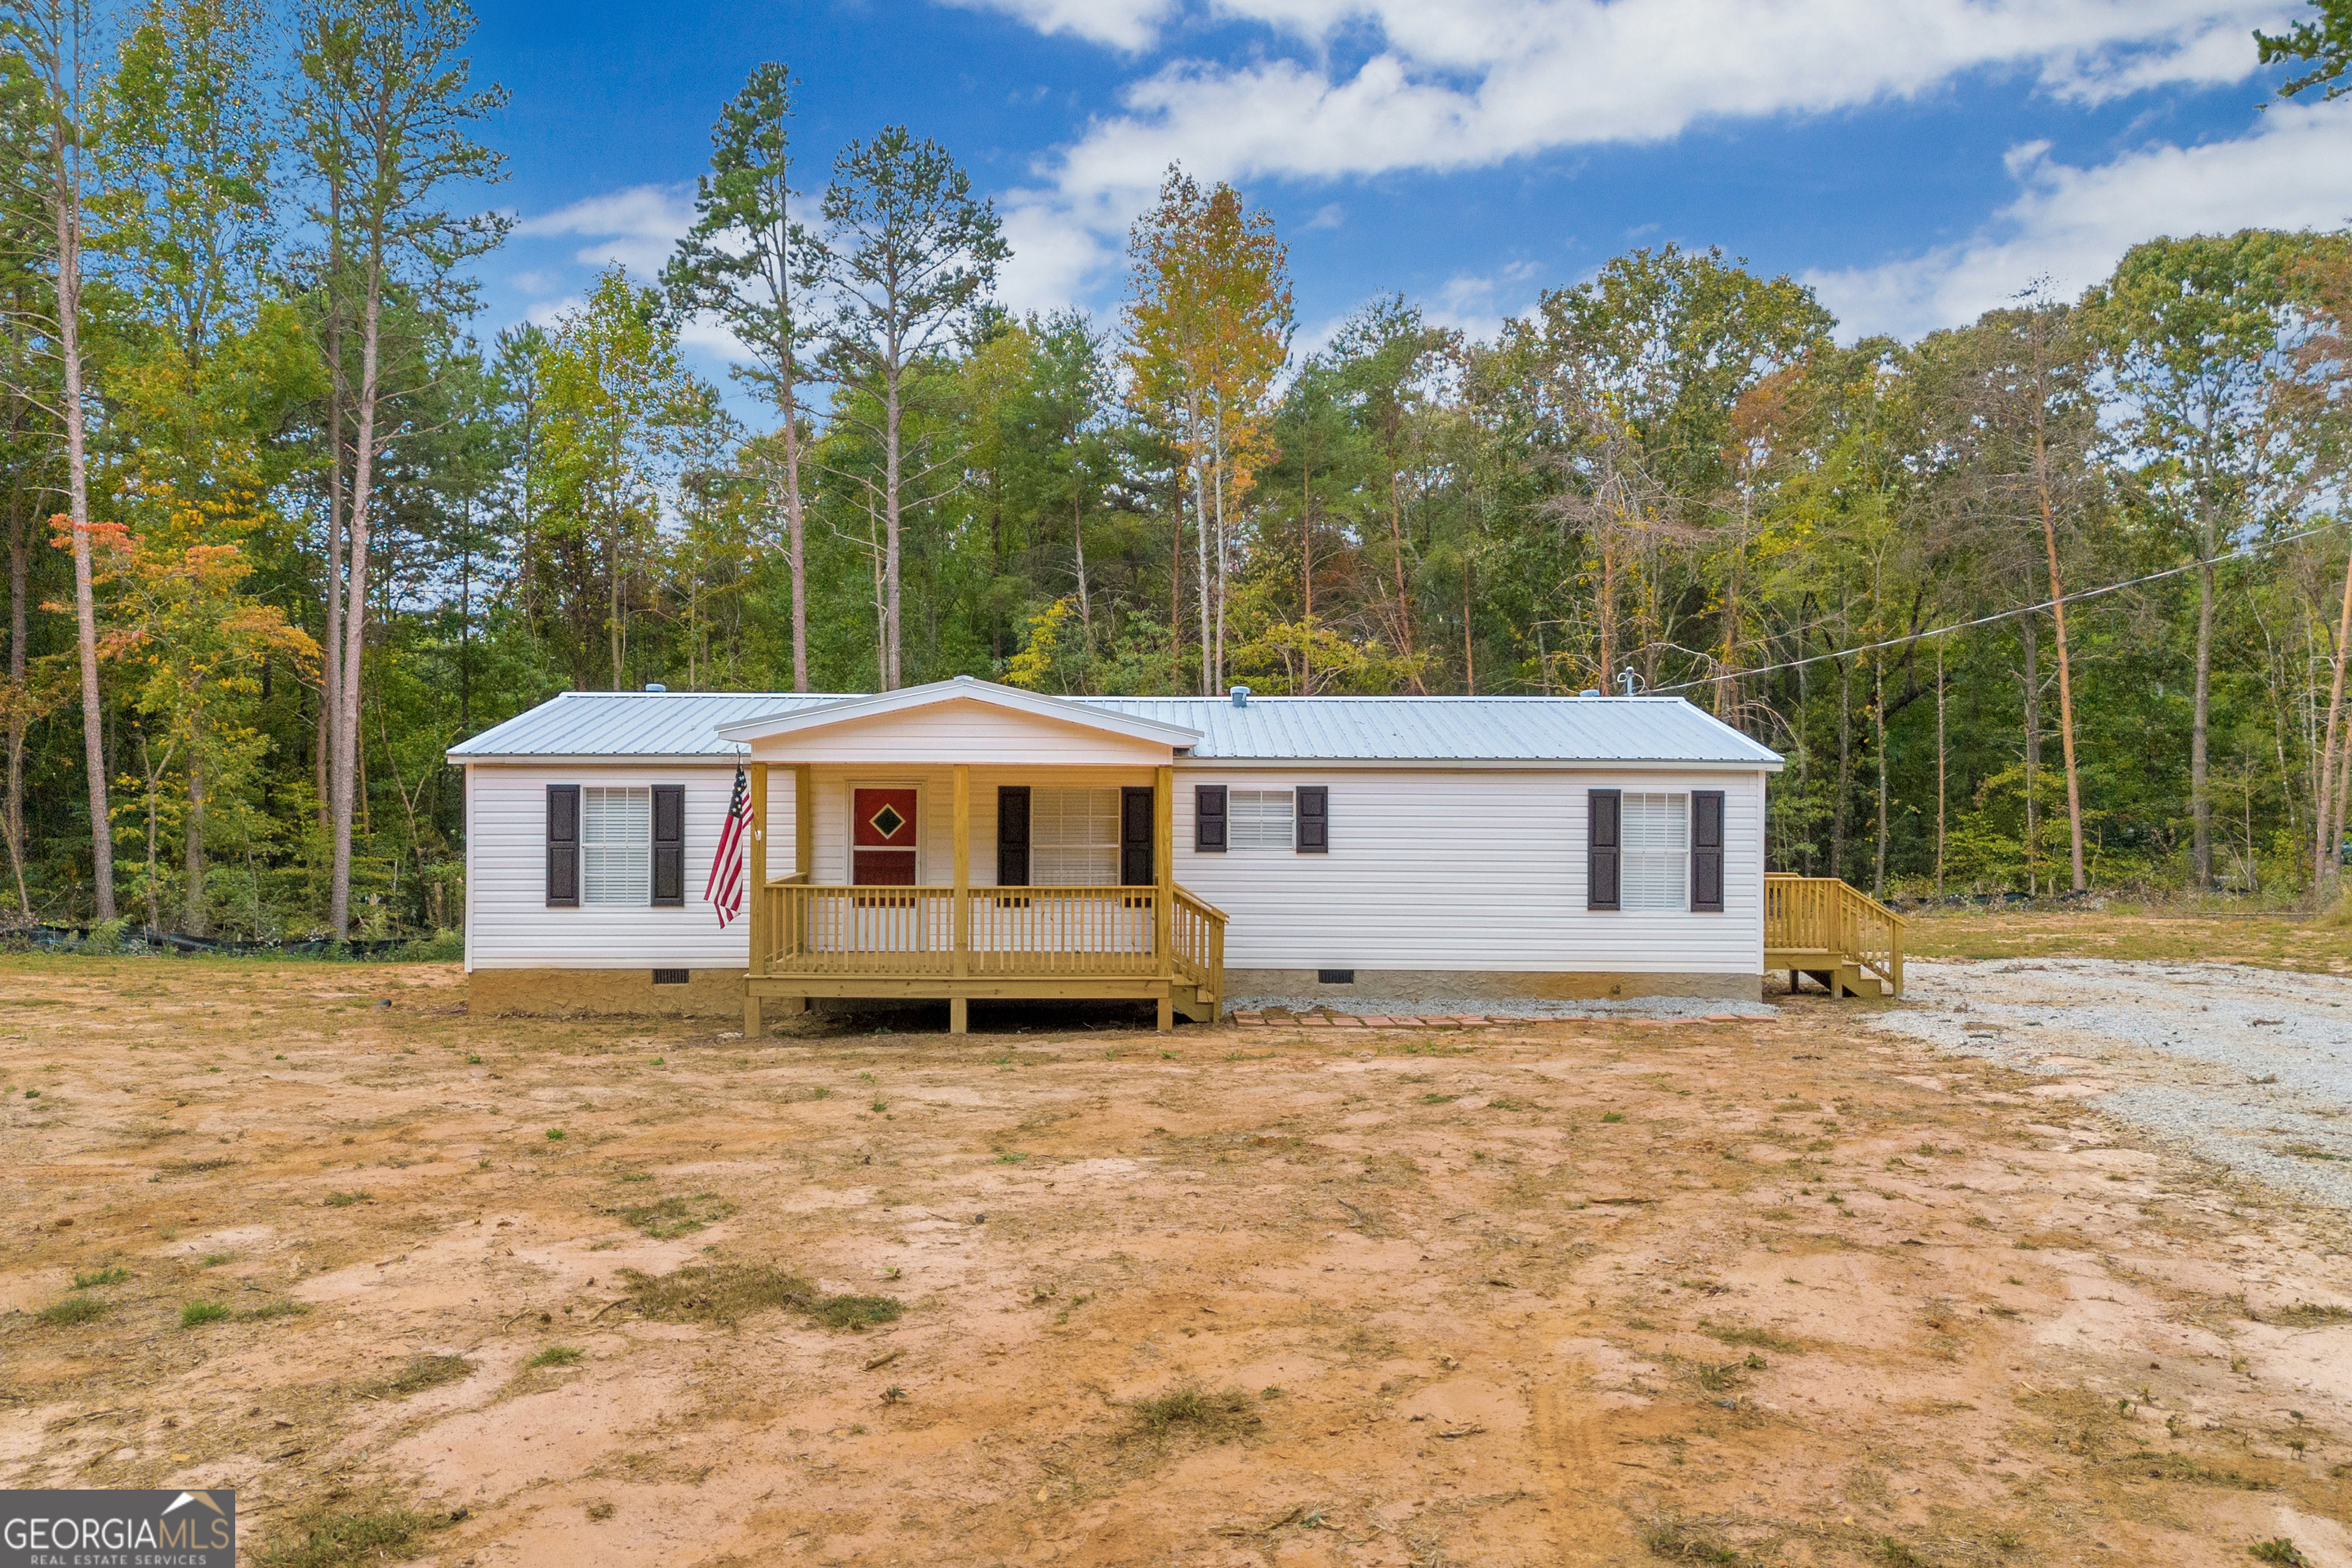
<point x="2248" y="554"/>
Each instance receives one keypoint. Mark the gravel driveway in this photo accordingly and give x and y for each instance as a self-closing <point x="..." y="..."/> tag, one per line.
<point x="2249" y="1067"/>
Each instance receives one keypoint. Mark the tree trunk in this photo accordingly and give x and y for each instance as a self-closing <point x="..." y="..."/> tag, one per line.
<point x="2066" y="677"/>
<point x="346" y="727"/>
<point x="1404" y="594"/>
<point x="331" y="647"/>
<point x="19" y="571"/>
<point x="2200" y="799"/>
<point x="2327" y="857"/>
<point x="612" y="598"/>
<point x="68" y="204"/>
<point x="1200" y="546"/>
<point x="1878" y="718"/>
<point x="192" y="854"/>
<point x="1079" y="544"/>
<point x="1222" y="553"/>
<point x="795" y="530"/>
<point x="2029" y="636"/>
<point x="1307" y="573"/>
<point x="890" y="424"/>
<point x="1939" y="767"/>
<point x="1845" y="767"/>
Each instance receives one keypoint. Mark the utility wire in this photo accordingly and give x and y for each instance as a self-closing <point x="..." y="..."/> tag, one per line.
<point x="2246" y="553"/>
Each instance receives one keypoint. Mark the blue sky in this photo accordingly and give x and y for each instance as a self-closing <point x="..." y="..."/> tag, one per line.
<point x="1916" y="161"/>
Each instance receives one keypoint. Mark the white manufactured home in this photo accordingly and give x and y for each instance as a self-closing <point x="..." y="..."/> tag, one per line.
<point x="965" y="840"/>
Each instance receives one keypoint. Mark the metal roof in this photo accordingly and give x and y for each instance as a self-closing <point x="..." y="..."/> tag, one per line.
<point x="631" y="724"/>
<point x="682" y="724"/>
<point x="1452" y="729"/>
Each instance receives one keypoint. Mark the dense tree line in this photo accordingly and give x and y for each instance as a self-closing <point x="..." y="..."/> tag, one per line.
<point x="2050" y="602"/>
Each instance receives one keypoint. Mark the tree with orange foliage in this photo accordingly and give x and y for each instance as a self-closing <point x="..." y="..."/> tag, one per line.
<point x="1208" y="329"/>
<point x="192" y="642"/>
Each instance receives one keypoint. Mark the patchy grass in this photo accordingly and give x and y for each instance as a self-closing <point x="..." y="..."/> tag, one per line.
<point x="727" y="1292"/>
<point x="335" y="1539"/>
<point x="196" y="1314"/>
<point x="423" y="1372"/>
<point x="1225" y="1415"/>
<point x="112" y="1275"/>
<point x="675" y="1217"/>
<point x="270" y="1309"/>
<point x="1675" y="1542"/>
<point x="2305" y="1315"/>
<point x="556" y="1355"/>
<point x="73" y="1310"/>
<point x="2269" y="940"/>
<point x="1753" y="1338"/>
<point x="344" y="1200"/>
<point x="2280" y="1549"/>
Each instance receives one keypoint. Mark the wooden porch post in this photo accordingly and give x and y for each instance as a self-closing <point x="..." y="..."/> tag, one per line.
<point x="959" y="966"/>
<point x="804" y="823"/>
<point x="1163" y="902"/>
<point x="756" y="873"/>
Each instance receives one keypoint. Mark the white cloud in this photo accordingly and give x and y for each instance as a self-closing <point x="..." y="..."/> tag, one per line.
<point x="1457" y="84"/>
<point x="2072" y="225"/>
<point x="1121" y="24"/>
<point x="638" y="228"/>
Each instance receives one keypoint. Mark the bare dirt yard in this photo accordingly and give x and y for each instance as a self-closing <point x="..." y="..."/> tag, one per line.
<point x="430" y="1287"/>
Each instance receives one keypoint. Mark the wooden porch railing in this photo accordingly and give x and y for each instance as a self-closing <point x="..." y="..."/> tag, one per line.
<point x="1200" y="943"/>
<point x="1011" y="933"/>
<point x="1828" y="918"/>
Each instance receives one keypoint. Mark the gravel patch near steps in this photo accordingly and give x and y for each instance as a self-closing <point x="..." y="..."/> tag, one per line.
<point x="1508" y="1007"/>
<point x="2251" y="1067"/>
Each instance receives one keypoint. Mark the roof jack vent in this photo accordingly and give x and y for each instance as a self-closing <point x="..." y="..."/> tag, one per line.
<point x="1589" y="691"/>
<point x="1241" y="696"/>
<point x="655" y="686"/>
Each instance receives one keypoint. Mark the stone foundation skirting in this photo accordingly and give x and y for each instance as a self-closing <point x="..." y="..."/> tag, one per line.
<point x="603" y="993"/>
<point x="1453" y="984"/>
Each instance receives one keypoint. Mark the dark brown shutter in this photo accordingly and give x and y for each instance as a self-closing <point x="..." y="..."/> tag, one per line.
<point x="1602" y="847"/>
<point x="1707" y="849"/>
<point x="563" y="847"/>
<point x="1013" y="836"/>
<point x="1314" y="819"/>
<point x="1135" y="837"/>
<point x="669" y="847"/>
<point x="1209" y="819"/>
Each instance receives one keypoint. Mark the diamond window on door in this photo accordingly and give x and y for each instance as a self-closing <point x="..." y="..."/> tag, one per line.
<point x="887" y="821"/>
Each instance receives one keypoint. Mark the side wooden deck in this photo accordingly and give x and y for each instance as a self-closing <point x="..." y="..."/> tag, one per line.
<point x="1833" y="932"/>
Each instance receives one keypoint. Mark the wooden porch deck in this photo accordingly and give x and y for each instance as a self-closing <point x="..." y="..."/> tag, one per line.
<point x="1833" y="932"/>
<point x="956" y="943"/>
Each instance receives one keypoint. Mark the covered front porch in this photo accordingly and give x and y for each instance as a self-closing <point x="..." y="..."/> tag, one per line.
<point x="882" y="898"/>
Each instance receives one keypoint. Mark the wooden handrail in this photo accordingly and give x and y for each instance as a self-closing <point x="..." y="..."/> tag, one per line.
<point x="1829" y="916"/>
<point x="989" y="933"/>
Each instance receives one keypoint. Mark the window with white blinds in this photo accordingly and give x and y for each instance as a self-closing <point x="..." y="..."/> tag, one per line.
<point x="1654" y="869"/>
<point x="1260" y="819"/>
<point x="616" y="836"/>
<point x="1074" y="838"/>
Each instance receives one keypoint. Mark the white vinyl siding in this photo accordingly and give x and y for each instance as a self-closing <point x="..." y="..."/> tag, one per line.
<point x="616" y="845"/>
<point x="1470" y="870"/>
<point x="1074" y="838"/>
<point x="1653" y="871"/>
<point x="1260" y="819"/>
<point x="508" y="922"/>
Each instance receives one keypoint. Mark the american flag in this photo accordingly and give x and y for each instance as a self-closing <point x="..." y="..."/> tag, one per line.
<point x="725" y="892"/>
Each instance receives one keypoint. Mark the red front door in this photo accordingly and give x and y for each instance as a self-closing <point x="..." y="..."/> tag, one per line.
<point x="882" y="837"/>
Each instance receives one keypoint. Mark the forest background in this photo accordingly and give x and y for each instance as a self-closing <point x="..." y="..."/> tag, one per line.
<point x="2053" y="603"/>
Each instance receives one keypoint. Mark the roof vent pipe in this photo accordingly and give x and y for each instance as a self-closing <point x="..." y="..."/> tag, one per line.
<point x="1241" y="696"/>
<point x="655" y="686"/>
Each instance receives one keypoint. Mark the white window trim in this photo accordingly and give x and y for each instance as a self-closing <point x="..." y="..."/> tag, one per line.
<point x="644" y="847"/>
<point x="1234" y="844"/>
<point x="1116" y="847"/>
<point x="849" y="788"/>
<point x="1626" y="854"/>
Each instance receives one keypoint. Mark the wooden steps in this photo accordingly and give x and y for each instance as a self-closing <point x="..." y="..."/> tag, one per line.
<point x="1835" y="932"/>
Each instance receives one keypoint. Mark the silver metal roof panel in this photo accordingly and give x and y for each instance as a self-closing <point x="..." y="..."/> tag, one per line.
<point x="1603" y="730"/>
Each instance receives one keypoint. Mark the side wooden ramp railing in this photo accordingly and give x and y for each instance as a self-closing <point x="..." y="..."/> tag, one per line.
<point x="1833" y="932"/>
